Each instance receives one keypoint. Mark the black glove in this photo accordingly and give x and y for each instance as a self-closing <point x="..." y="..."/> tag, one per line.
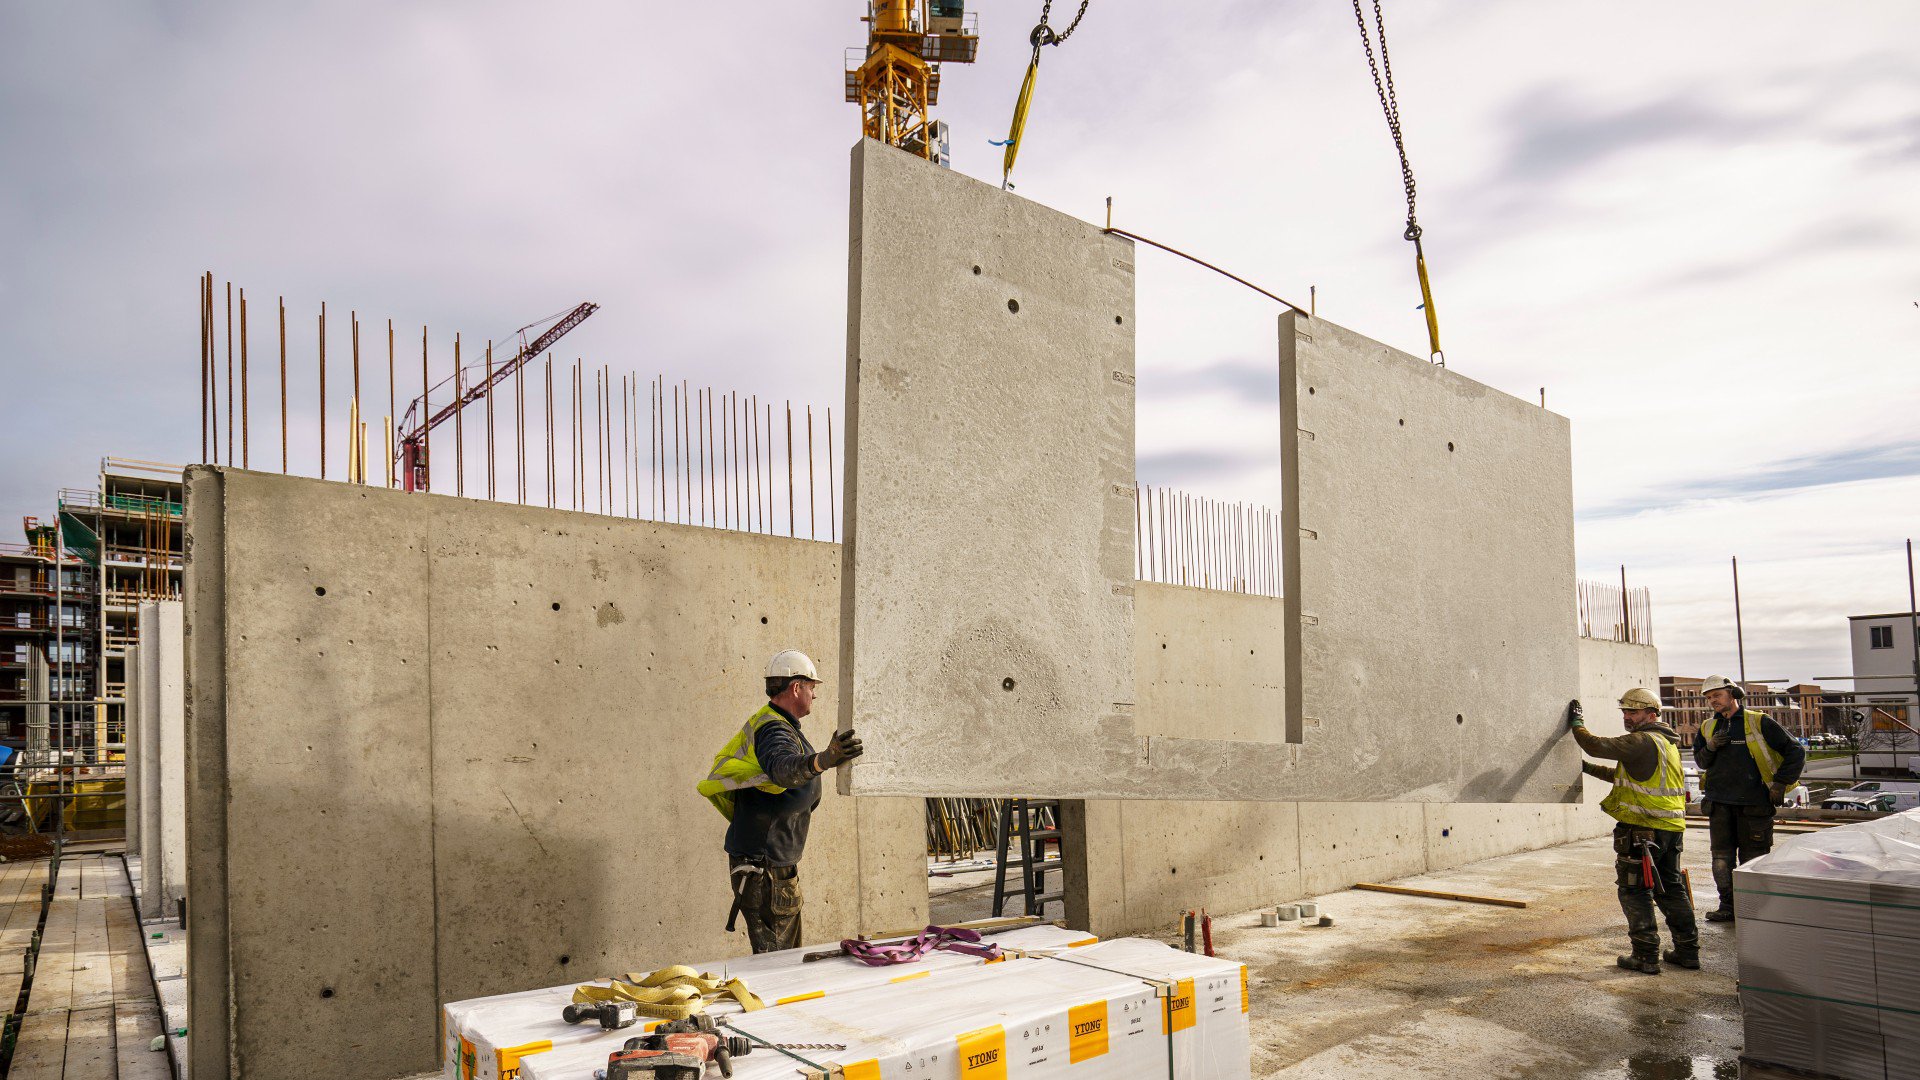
<point x="1721" y="737"/>
<point x="1574" y="717"/>
<point x="1778" y="792"/>
<point x="844" y="748"/>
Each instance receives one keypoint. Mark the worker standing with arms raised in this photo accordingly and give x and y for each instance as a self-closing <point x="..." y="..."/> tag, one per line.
<point x="1649" y="805"/>
<point x="766" y="781"/>
<point x="1747" y="764"/>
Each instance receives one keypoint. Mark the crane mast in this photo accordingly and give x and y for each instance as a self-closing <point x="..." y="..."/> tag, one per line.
<point x="897" y="81"/>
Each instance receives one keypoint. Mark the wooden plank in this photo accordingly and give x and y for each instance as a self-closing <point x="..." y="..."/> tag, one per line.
<point x="41" y="1052"/>
<point x="90" y="1054"/>
<point x="53" y="976"/>
<point x="92" y="972"/>
<point x="1465" y="898"/>
<point x="136" y="1024"/>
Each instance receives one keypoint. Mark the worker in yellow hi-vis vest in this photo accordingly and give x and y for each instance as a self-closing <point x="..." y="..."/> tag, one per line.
<point x="1649" y="805"/>
<point x="766" y="782"/>
<point x="1748" y="763"/>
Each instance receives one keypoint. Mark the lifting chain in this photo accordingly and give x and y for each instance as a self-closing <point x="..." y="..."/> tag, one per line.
<point x="1044" y="35"/>
<point x="1382" y="70"/>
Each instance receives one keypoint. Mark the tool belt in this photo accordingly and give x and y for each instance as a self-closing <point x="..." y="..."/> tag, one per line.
<point x="1627" y="840"/>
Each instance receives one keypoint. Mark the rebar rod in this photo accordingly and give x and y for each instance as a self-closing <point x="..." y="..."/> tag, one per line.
<point x="392" y="414"/>
<point x="459" y="426"/>
<point x="246" y="426"/>
<point x="323" y="389"/>
<point x="488" y="392"/>
<point x="229" y="372"/>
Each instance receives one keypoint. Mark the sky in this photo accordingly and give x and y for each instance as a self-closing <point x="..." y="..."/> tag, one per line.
<point x="1692" y="225"/>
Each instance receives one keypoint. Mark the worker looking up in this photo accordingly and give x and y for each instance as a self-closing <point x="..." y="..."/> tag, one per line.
<point x="1649" y="806"/>
<point x="1747" y="762"/>
<point x="766" y="781"/>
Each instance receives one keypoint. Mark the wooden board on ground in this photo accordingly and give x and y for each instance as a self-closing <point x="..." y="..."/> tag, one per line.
<point x="1431" y="894"/>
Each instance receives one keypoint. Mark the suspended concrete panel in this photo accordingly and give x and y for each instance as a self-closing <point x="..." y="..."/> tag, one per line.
<point x="987" y="584"/>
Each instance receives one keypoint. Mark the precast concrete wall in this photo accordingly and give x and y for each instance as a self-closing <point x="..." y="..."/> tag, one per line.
<point x="1130" y="864"/>
<point x="156" y="758"/>
<point x="445" y="748"/>
<point x="1426" y="630"/>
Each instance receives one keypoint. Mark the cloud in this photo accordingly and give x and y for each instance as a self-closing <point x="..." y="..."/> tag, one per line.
<point x="1843" y="466"/>
<point x="1196" y="468"/>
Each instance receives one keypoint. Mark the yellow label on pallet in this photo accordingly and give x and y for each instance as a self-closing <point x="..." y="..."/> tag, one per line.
<point x="861" y="1070"/>
<point x="508" y="1060"/>
<point x="983" y="1053"/>
<point x="1179" y="1013"/>
<point x="1244" y="1001"/>
<point x="1087" y="1031"/>
<point x="468" y="1059"/>
<point x="906" y="978"/>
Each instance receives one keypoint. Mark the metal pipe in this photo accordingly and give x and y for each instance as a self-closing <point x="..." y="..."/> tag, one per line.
<point x="393" y="416"/>
<point x="791" y="531"/>
<point x="459" y="426"/>
<point x="426" y="437"/>
<point x="1739" y="635"/>
<point x="488" y="390"/>
<point x="229" y="372"/>
<point x="205" y="329"/>
<point x="550" y="441"/>
<point x="356" y="443"/>
<point x="246" y="426"/>
<point x="323" y="389"/>
<point x="833" y="512"/>
<point x="813" y="527"/>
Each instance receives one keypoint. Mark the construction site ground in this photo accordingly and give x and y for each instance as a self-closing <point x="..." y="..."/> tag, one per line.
<point x="1411" y="987"/>
<point x="1399" y="985"/>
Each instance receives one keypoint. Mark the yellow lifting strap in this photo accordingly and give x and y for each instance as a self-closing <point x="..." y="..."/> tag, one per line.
<point x="671" y="993"/>
<point x="1019" y="125"/>
<point x="1426" y="304"/>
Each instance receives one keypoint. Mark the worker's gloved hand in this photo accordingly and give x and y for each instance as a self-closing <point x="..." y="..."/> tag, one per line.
<point x="844" y="748"/>
<point x="1575" y="719"/>
<point x="1722" y="735"/>
<point x="1778" y="792"/>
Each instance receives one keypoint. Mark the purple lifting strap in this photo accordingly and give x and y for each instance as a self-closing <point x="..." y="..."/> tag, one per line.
<point x="951" y="938"/>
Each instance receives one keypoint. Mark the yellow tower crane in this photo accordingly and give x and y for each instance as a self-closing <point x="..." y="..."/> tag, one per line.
<point x="898" y="78"/>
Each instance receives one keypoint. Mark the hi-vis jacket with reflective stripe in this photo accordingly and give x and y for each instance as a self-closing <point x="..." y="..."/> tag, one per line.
<point x="1764" y="755"/>
<point x="736" y="766"/>
<point x="1658" y="803"/>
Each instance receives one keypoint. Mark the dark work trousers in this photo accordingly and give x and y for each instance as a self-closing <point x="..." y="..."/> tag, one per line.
<point x="1737" y="834"/>
<point x="1638" y="901"/>
<point x="769" y="901"/>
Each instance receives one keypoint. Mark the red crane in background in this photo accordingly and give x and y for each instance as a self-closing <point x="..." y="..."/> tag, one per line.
<point x="414" y="429"/>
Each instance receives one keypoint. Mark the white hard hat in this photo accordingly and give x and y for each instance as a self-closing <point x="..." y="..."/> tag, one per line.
<point x="1639" y="698"/>
<point x="1717" y="682"/>
<point x="792" y="663"/>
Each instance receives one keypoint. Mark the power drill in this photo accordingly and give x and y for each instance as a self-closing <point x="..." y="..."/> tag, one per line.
<point x="677" y="1051"/>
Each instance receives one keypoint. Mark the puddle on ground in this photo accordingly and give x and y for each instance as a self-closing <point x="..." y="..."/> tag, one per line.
<point x="1671" y="1067"/>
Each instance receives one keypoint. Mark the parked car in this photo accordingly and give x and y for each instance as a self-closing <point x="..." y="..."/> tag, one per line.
<point x="1884" y="802"/>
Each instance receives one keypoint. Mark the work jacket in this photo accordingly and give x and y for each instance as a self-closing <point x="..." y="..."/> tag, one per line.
<point x="1660" y="801"/>
<point x="1765" y="757"/>
<point x="737" y="766"/>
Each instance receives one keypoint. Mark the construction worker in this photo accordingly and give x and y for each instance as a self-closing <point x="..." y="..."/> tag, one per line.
<point x="1649" y="805"/>
<point x="766" y="781"/>
<point x="1747" y="762"/>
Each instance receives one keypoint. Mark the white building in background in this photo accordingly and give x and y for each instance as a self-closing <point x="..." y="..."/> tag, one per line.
<point x="1883" y="684"/>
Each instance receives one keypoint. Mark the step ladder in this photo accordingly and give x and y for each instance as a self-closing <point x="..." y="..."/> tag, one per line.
<point x="1036" y="822"/>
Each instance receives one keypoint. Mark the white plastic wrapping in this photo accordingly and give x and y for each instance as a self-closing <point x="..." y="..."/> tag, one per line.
<point x="487" y="1038"/>
<point x="1829" y="939"/>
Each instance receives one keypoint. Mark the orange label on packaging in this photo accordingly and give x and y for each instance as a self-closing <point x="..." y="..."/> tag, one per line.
<point x="1083" y="941"/>
<point x="1244" y="1001"/>
<point x="509" y="1058"/>
<point x="468" y="1059"/>
<point x="1087" y="1031"/>
<point x="862" y="1070"/>
<point x="907" y="978"/>
<point x="983" y="1053"/>
<point x="1179" y="1010"/>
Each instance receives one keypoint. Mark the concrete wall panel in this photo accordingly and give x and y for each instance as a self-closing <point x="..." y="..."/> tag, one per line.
<point x="467" y="767"/>
<point x="168" y="687"/>
<point x="1209" y="665"/>
<point x="989" y="587"/>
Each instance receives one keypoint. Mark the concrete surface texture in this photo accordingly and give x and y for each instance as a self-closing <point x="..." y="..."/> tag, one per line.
<point x="988" y="594"/>
<point x="989" y="544"/>
<point x="1430" y="577"/>
<point x="156" y="765"/>
<point x="1130" y="862"/>
<point x="463" y="739"/>
<point x="131" y="741"/>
